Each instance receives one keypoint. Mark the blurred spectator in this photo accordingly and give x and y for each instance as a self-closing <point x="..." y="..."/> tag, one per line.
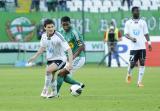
<point x="35" y="5"/>
<point x="16" y="3"/>
<point x="51" y="5"/>
<point x="62" y="5"/>
<point x="42" y="6"/>
<point x="10" y="5"/>
<point x="128" y="3"/>
<point x="2" y="3"/>
<point x="111" y="37"/>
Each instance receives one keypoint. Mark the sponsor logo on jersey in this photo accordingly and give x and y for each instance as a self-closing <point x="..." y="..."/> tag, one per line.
<point x="136" y="32"/>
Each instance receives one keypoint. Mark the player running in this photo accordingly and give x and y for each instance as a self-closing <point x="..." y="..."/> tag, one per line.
<point x="75" y="41"/>
<point x="55" y="46"/>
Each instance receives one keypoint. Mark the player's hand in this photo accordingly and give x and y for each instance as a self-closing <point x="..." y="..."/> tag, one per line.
<point x="31" y="59"/>
<point x="150" y="47"/>
<point x="68" y="67"/>
<point x="134" y="40"/>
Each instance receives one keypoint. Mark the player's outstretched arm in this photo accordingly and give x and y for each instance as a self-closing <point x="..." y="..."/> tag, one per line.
<point x="40" y="51"/>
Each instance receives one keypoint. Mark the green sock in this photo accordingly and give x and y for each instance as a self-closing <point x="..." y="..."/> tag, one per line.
<point x="69" y="80"/>
<point x="60" y="80"/>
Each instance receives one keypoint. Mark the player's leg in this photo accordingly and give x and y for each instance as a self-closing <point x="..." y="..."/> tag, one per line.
<point x="48" y="78"/>
<point x="60" y="64"/>
<point x="60" y="78"/>
<point x="142" y="57"/>
<point x="65" y="75"/>
<point x="77" y="64"/>
<point x="53" y="85"/>
<point x="133" y="59"/>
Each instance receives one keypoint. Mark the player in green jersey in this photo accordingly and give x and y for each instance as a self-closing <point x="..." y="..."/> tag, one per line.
<point x="75" y="40"/>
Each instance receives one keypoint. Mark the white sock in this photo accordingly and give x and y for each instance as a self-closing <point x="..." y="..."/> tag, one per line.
<point x="141" y="73"/>
<point x="129" y="70"/>
<point x="54" y="86"/>
<point x="48" y="79"/>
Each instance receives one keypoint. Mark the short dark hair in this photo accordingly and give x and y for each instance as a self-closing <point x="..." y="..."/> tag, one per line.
<point x="65" y="19"/>
<point x="135" y="7"/>
<point x="48" y="21"/>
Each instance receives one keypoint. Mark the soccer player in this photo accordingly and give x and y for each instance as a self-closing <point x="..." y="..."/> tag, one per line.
<point x="136" y="30"/>
<point x="55" y="45"/>
<point x="75" y="40"/>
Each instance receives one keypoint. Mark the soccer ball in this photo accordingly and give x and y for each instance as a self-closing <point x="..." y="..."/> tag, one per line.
<point x="75" y="90"/>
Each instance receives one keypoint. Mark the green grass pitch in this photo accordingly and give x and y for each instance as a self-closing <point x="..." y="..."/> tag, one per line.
<point x="105" y="90"/>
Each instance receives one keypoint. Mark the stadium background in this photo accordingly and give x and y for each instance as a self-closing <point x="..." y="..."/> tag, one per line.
<point x="106" y="89"/>
<point x="92" y="21"/>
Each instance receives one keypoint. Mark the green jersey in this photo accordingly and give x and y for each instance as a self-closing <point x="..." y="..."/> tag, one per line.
<point x="74" y="39"/>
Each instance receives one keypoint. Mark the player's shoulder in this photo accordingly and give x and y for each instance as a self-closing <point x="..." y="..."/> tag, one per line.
<point x="61" y="30"/>
<point x="142" y="19"/>
<point x="129" y="21"/>
<point x="76" y="33"/>
<point x="74" y="30"/>
<point x="44" y="35"/>
<point x="59" y="35"/>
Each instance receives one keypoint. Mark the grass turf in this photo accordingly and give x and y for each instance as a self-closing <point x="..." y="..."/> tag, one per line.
<point x="105" y="90"/>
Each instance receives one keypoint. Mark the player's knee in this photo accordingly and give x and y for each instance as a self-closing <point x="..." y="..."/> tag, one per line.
<point x="63" y="72"/>
<point x="142" y="62"/>
<point x="132" y="64"/>
<point x="49" y="71"/>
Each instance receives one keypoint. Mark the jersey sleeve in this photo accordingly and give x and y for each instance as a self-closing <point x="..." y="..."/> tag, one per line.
<point x="43" y="42"/>
<point x="126" y="28"/>
<point x="145" y="28"/>
<point x="78" y="37"/>
<point x="65" y="45"/>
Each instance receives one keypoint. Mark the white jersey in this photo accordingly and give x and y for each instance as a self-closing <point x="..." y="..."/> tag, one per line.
<point x="55" y="47"/>
<point x="137" y="29"/>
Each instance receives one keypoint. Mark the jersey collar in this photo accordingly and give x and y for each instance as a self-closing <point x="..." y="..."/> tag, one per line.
<point x="136" y="20"/>
<point x="49" y="37"/>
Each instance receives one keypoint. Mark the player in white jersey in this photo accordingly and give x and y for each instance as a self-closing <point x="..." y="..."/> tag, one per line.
<point x="137" y="31"/>
<point x="55" y="46"/>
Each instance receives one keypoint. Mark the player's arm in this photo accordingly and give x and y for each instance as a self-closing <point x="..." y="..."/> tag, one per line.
<point x="131" y="38"/>
<point x="145" y="30"/>
<point x="126" y="32"/>
<point x="67" y="48"/>
<point x="149" y="42"/>
<point x="39" y="52"/>
<point x="70" y="59"/>
<point x="81" y="46"/>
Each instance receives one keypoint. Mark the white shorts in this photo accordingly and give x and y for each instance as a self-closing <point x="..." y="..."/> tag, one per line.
<point x="77" y="63"/>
